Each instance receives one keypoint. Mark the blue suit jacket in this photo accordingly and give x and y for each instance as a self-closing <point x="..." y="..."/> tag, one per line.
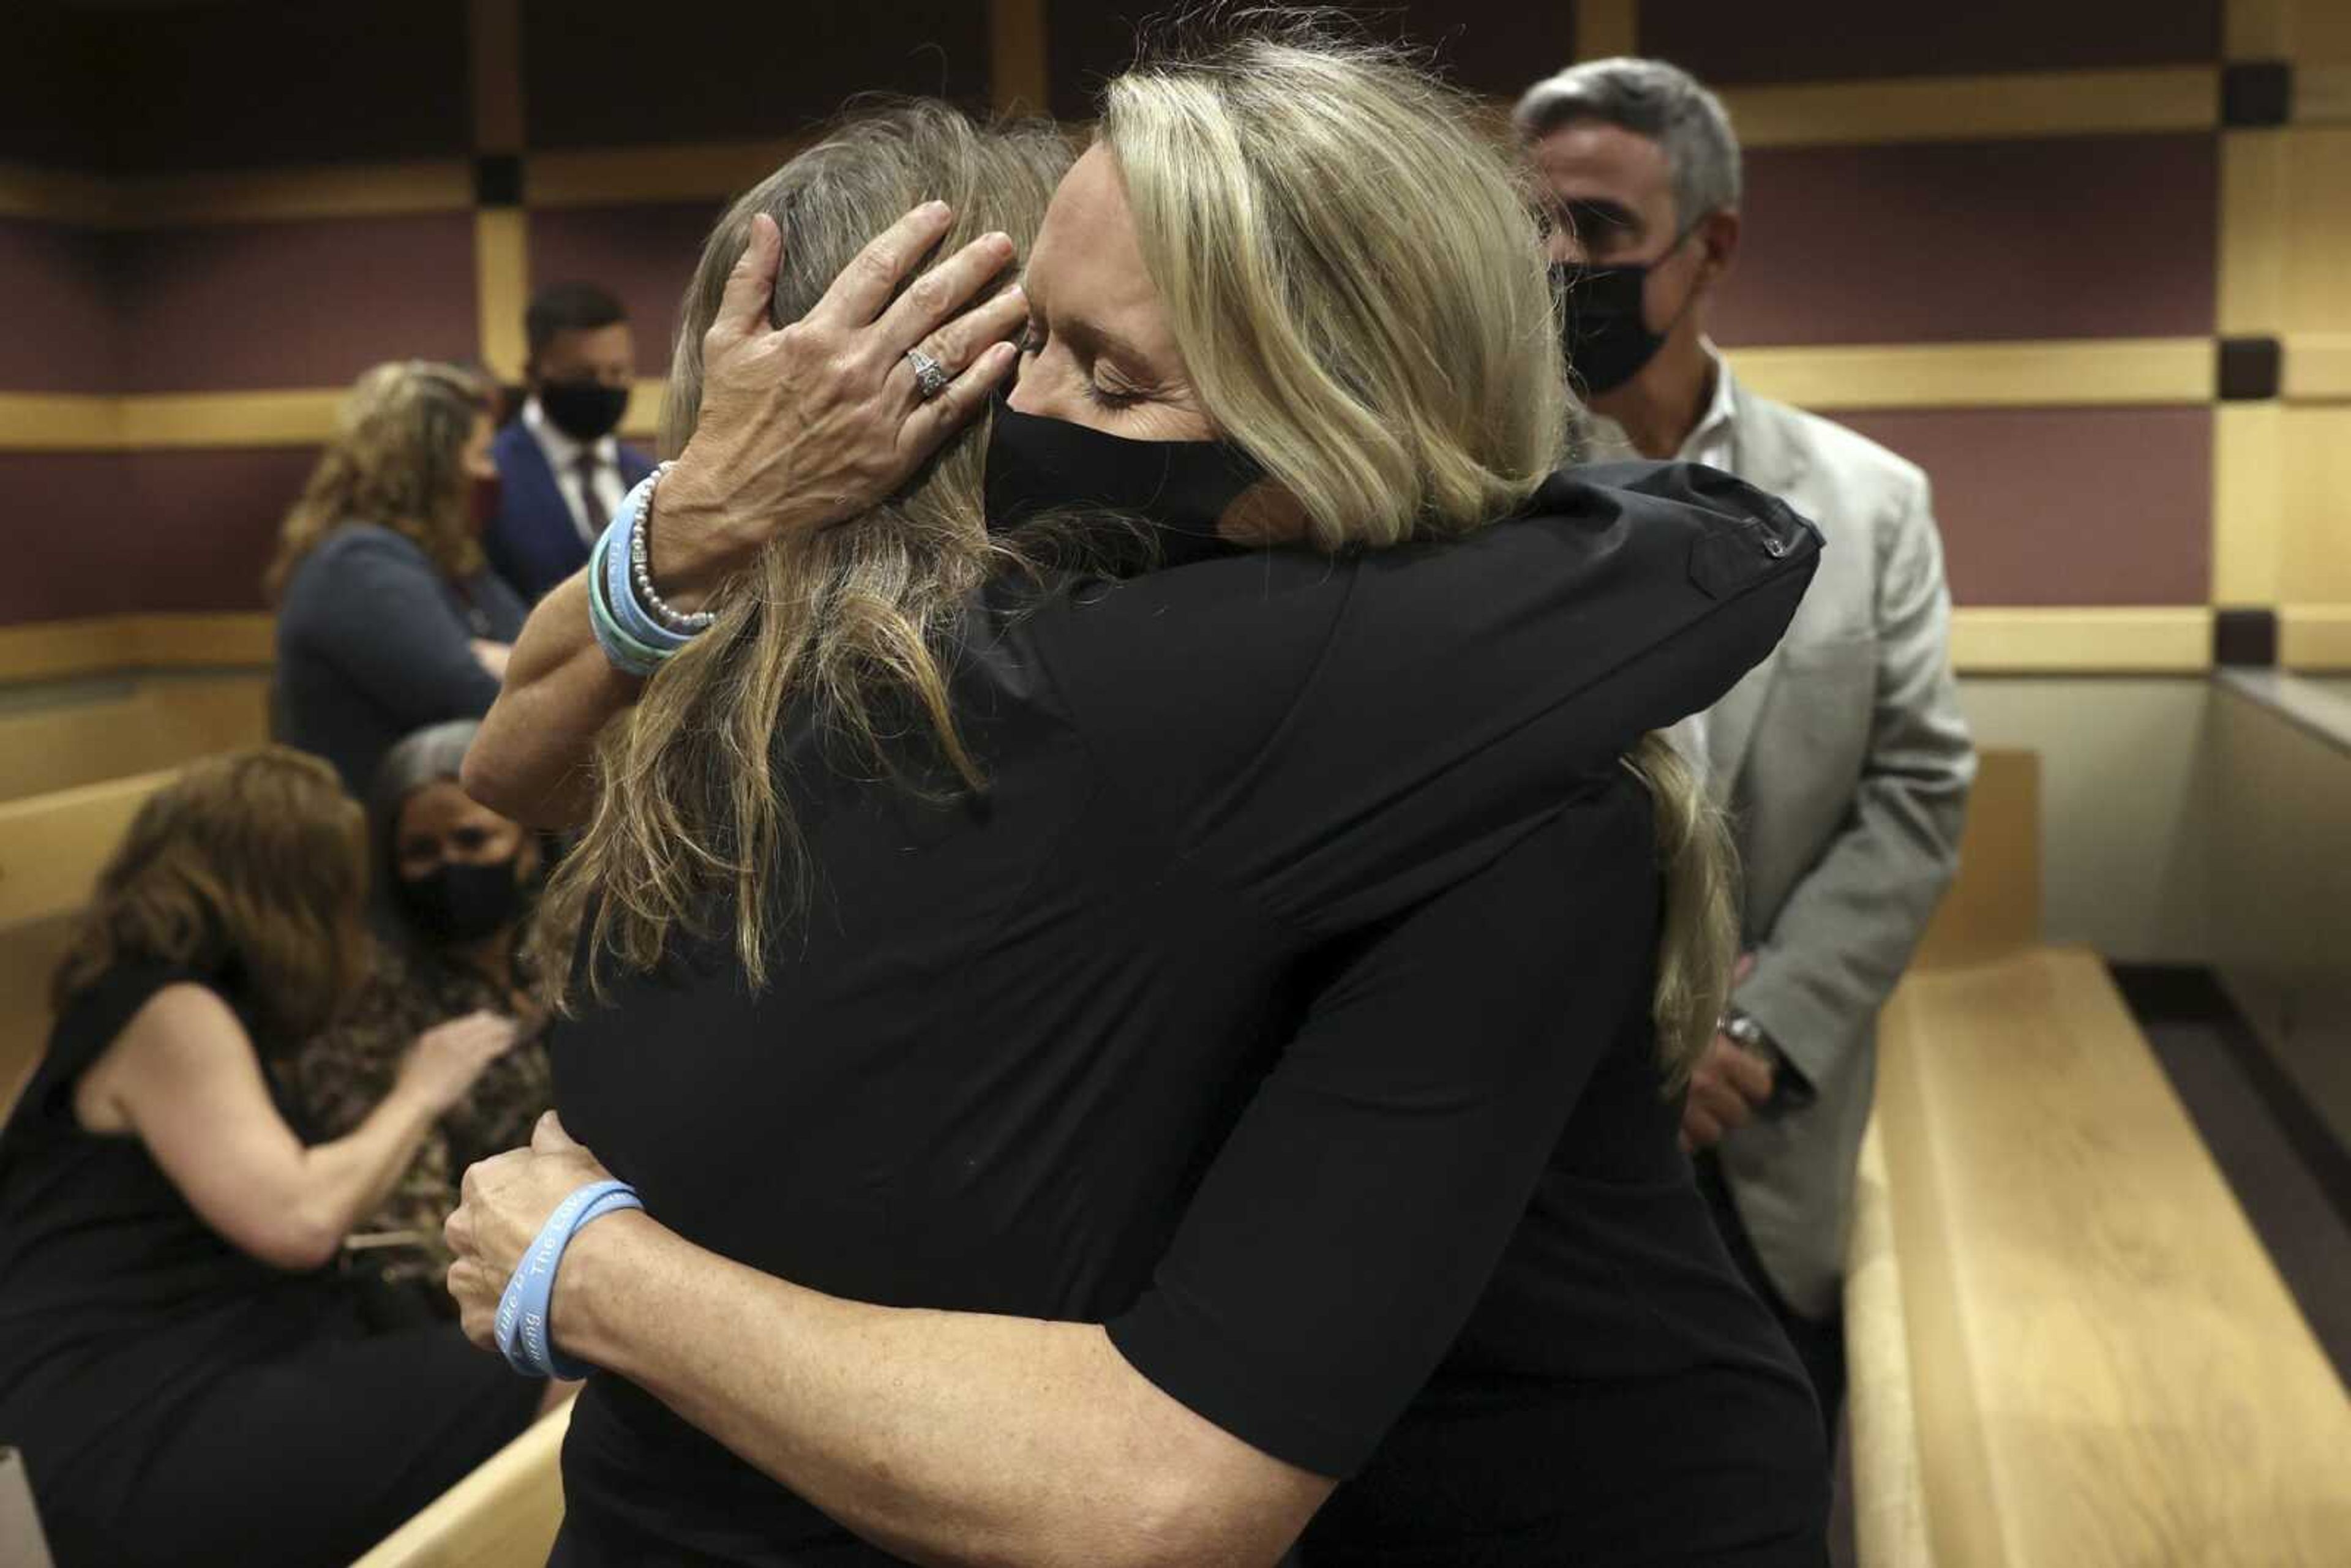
<point x="532" y="542"/>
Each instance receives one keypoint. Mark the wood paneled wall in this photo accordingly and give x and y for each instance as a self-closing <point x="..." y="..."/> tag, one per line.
<point x="2081" y="261"/>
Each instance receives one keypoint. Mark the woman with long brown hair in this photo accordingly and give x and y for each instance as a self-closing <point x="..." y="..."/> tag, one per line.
<point x="189" y="1381"/>
<point x="389" y="617"/>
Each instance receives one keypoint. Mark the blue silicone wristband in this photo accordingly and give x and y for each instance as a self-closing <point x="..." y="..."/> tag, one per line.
<point x="625" y="653"/>
<point x="619" y="582"/>
<point x="522" y="1311"/>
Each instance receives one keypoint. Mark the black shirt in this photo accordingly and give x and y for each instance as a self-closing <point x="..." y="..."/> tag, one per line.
<point x="1017" y="1033"/>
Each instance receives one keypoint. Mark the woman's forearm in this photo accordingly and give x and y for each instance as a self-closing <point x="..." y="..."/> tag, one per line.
<point x="949" y="1438"/>
<point x="343" y="1182"/>
<point x="531" y="760"/>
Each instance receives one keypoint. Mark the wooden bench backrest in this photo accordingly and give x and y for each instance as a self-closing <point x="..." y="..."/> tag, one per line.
<point x="507" y="1512"/>
<point x="149" y="725"/>
<point x="1993" y="907"/>
<point x="51" y="848"/>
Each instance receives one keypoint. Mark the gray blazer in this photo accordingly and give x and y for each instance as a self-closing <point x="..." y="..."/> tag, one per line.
<point x="1845" y="765"/>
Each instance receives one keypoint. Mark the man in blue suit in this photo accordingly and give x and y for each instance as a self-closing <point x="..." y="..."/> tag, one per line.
<point x="561" y="474"/>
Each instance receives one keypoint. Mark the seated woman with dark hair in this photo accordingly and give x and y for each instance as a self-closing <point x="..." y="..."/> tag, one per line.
<point x="188" y="1381"/>
<point x="455" y="882"/>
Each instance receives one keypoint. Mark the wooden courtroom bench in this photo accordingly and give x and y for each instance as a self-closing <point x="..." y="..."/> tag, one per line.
<point x="505" y="1513"/>
<point x="2068" y="1347"/>
<point x="51" y="848"/>
<point x="136" y="724"/>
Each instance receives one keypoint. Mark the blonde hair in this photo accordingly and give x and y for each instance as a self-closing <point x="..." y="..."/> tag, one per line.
<point x="251" y="860"/>
<point x="398" y="461"/>
<point x="852" y="627"/>
<point x="1352" y="271"/>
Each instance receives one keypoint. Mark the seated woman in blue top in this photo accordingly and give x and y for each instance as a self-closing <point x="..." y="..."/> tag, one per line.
<point x="189" y="1379"/>
<point x="388" y="617"/>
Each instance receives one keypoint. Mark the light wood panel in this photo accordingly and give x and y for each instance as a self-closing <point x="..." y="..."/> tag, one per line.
<point x="2318" y="281"/>
<point x="2249" y="463"/>
<point x="1976" y="108"/>
<point x="502" y="287"/>
<point x="1603" y="28"/>
<point x="641" y="418"/>
<point x="51" y="846"/>
<point x="58" y="649"/>
<point x="2318" y="365"/>
<point x="505" y="1513"/>
<point x="2315" y="480"/>
<point x="1993" y="907"/>
<point x="706" y="170"/>
<point x="65" y="422"/>
<point x="1015" y="57"/>
<point x="2314" y="637"/>
<point x="2102" y="372"/>
<point x="1890" y="1485"/>
<point x="2107" y="1369"/>
<point x="2255" y="29"/>
<point x="2162" y="640"/>
<point x="150" y="723"/>
<point x="2253" y="232"/>
<point x="60" y="195"/>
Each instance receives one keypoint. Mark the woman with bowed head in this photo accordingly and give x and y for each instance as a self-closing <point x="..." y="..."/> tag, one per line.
<point x="189" y="1379"/>
<point x="389" y="617"/>
<point x="455" y="886"/>
<point x="1209" y="1035"/>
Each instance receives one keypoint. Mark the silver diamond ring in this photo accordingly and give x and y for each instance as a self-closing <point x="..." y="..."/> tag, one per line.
<point x="931" y="377"/>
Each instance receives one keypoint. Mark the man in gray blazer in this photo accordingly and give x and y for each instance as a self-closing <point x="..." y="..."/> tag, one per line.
<point x="1842" y="759"/>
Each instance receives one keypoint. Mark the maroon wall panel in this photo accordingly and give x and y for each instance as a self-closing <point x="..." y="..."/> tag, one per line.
<point x="60" y="332"/>
<point x="1728" y="41"/>
<point x="645" y="254"/>
<point x="2076" y="506"/>
<point x="241" y="306"/>
<point x="615" y="73"/>
<point x="1490" y="47"/>
<point x="2086" y="237"/>
<point x="124" y="532"/>
<point x="265" y="82"/>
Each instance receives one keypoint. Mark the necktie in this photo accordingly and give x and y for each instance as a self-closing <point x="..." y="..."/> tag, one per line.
<point x="592" y="515"/>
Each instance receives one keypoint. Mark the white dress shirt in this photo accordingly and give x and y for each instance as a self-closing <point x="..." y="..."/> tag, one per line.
<point x="1712" y="444"/>
<point x="563" y="455"/>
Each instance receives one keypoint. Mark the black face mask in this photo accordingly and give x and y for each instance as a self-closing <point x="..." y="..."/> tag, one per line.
<point x="1181" y="488"/>
<point x="457" y="905"/>
<point x="1606" y="332"/>
<point x="585" y="411"/>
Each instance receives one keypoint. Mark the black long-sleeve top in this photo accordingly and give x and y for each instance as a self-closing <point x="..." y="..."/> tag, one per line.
<point x="1169" y="1028"/>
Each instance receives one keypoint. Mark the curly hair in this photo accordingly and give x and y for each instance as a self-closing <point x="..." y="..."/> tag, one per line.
<point x="398" y="461"/>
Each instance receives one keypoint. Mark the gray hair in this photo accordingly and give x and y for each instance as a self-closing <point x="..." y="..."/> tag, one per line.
<point x="432" y="755"/>
<point x="1651" y="98"/>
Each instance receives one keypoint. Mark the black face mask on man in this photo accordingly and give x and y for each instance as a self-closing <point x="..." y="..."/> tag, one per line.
<point x="457" y="904"/>
<point x="585" y="411"/>
<point x="1037" y="465"/>
<point x="1606" y="324"/>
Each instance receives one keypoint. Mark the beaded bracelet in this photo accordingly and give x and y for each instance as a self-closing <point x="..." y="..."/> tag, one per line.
<point x="641" y="567"/>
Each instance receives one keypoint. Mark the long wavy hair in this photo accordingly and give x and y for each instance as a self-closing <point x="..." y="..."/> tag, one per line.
<point x="853" y="627"/>
<point x="398" y="461"/>
<point x="1352" y="267"/>
<point x="249" y="863"/>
